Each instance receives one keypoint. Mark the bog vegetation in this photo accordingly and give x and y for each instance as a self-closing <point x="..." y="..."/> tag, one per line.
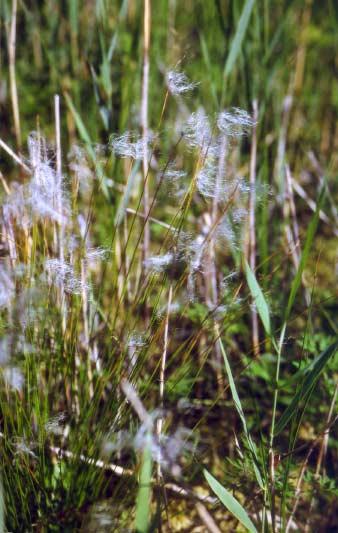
<point x="168" y="335"/>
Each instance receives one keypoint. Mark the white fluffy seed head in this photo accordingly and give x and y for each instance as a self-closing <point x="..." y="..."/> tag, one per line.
<point x="136" y="341"/>
<point x="46" y="197"/>
<point x="14" y="377"/>
<point x="44" y="203"/>
<point x="178" y="83"/>
<point x="234" y="122"/>
<point x="15" y="207"/>
<point x="173" y="184"/>
<point x="93" y="256"/>
<point x="7" y="286"/>
<point x="43" y="196"/>
<point x="172" y="174"/>
<point x="209" y="183"/>
<point x="198" y="133"/>
<point x="22" y="447"/>
<point x="55" y="425"/>
<point x="131" y="145"/>
<point x="158" y="263"/>
<point x="80" y="167"/>
<point x="4" y="350"/>
<point x="225" y="232"/>
<point x="195" y="253"/>
<point x="63" y="274"/>
<point x="165" y="450"/>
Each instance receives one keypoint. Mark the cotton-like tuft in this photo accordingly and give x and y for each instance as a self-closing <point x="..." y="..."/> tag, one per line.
<point x="158" y="263"/>
<point x="197" y="132"/>
<point x="7" y="287"/>
<point x="63" y="274"/>
<point x="46" y="197"/>
<point x="178" y="83"/>
<point x="235" y="122"/>
<point x="131" y="145"/>
<point x="14" y="377"/>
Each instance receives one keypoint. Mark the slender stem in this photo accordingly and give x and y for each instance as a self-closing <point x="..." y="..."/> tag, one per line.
<point x="252" y="234"/>
<point x="12" y="76"/>
<point x="144" y="122"/>
<point x="272" y="431"/>
<point x="162" y="370"/>
<point x="59" y="201"/>
<point x="14" y="156"/>
<point x="275" y="399"/>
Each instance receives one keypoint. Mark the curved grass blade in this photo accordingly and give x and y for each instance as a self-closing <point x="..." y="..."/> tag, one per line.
<point x="305" y="254"/>
<point x="258" y="297"/>
<point x="304" y="393"/>
<point x="230" y="502"/>
<point x="240" y="411"/>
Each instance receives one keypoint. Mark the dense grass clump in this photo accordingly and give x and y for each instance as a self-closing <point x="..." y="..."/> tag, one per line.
<point x="168" y="343"/>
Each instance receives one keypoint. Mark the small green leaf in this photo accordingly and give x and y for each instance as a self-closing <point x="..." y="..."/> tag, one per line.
<point x="230" y="502"/>
<point x="258" y="297"/>
<point x="304" y="393"/>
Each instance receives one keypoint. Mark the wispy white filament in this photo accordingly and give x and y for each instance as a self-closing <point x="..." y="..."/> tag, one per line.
<point x="7" y="287"/>
<point x="197" y="131"/>
<point x="234" y="122"/>
<point x="158" y="263"/>
<point x="178" y="83"/>
<point x="63" y="273"/>
<point x="131" y="145"/>
<point x="45" y="188"/>
<point x="14" y="377"/>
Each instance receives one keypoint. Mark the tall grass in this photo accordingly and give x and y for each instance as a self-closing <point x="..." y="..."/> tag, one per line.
<point x="167" y="334"/>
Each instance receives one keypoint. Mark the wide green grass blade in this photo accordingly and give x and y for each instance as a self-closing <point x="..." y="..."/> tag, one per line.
<point x="304" y="393"/>
<point x="305" y="254"/>
<point x="144" y="492"/>
<point x="230" y="502"/>
<point x="258" y="297"/>
<point x="239" y="36"/>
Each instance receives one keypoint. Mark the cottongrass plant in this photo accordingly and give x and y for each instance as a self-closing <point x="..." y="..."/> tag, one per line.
<point x="118" y="338"/>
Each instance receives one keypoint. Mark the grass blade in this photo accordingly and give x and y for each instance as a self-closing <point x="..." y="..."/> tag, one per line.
<point x="258" y="297"/>
<point x="126" y="195"/>
<point x="2" y="508"/>
<point x="239" y="36"/>
<point x="240" y="411"/>
<point x="87" y="140"/>
<point x="144" y="492"/>
<point x="305" y="254"/>
<point x="309" y="383"/>
<point x="230" y="502"/>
